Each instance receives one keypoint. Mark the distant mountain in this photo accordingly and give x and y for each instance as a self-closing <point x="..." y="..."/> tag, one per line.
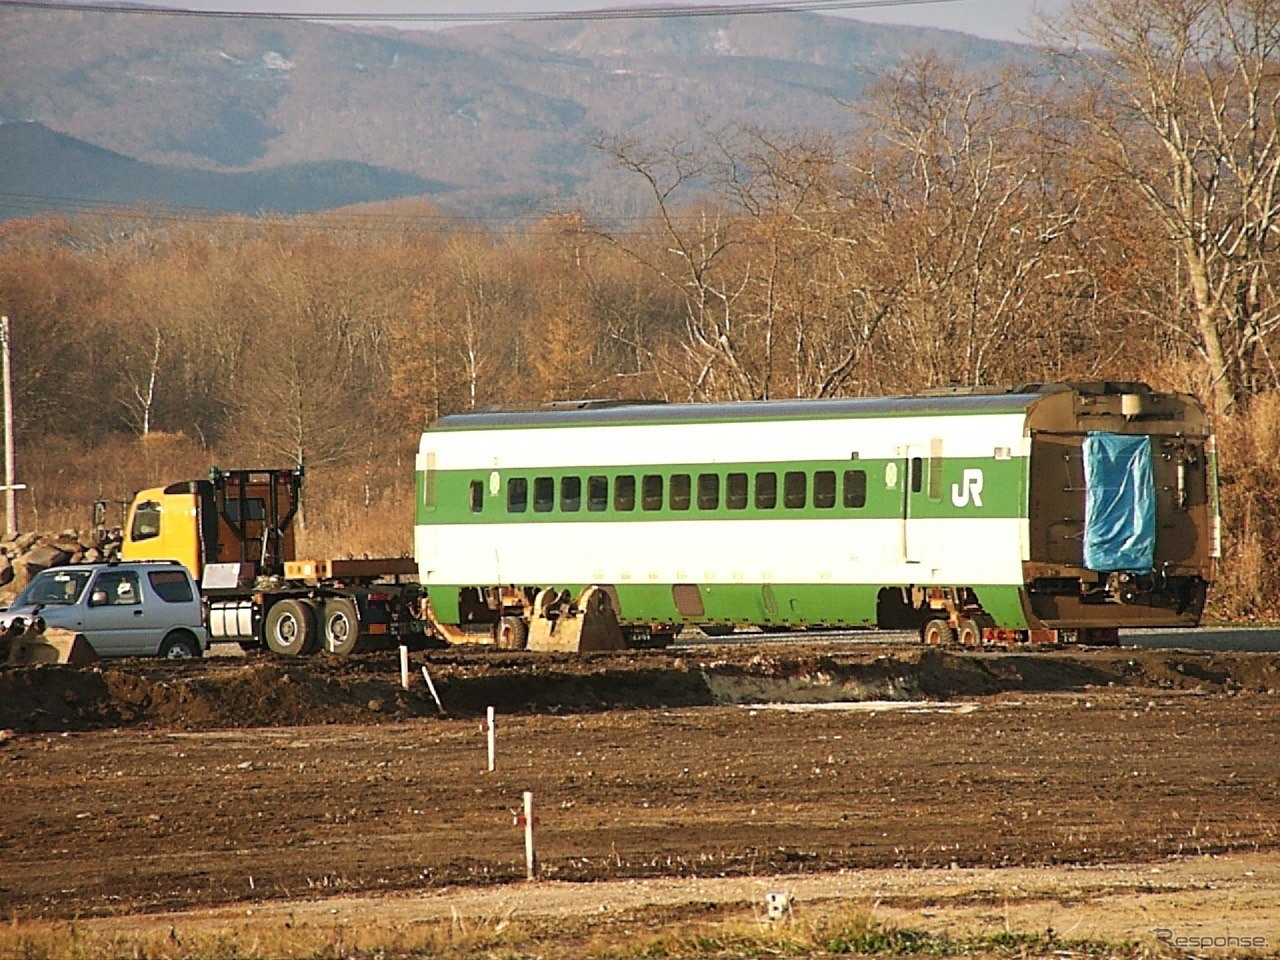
<point x="505" y="115"/>
<point x="44" y="170"/>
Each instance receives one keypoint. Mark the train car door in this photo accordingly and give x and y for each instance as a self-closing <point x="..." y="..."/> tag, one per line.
<point x="913" y="496"/>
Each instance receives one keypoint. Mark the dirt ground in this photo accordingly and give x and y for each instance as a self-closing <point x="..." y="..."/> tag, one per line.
<point x="136" y="789"/>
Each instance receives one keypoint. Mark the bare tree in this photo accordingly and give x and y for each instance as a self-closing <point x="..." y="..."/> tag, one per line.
<point x="1183" y="97"/>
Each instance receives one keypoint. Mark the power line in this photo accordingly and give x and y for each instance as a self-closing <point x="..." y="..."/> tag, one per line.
<point x="658" y="12"/>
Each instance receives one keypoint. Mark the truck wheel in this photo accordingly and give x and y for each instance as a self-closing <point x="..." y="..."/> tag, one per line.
<point x="290" y="629"/>
<point x="968" y="633"/>
<point x="180" y="646"/>
<point x="938" y="633"/>
<point x="511" y="633"/>
<point x="341" y="625"/>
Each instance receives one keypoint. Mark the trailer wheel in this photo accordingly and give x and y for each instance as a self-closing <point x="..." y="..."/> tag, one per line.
<point x="341" y="625"/>
<point x="937" y="633"/>
<point x="290" y="628"/>
<point x="968" y="633"/>
<point x="511" y="633"/>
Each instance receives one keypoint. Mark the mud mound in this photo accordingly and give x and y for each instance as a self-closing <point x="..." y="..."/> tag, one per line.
<point x="262" y="691"/>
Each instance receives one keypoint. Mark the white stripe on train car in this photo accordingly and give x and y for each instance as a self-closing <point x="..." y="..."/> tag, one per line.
<point x="878" y="438"/>
<point x="953" y="551"/>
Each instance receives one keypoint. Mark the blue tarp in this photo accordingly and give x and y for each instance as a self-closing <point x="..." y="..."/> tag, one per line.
<point x="1119" y="504"/>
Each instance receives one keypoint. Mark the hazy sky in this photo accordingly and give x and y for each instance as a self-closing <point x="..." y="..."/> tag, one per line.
<point x="998" y="19"/>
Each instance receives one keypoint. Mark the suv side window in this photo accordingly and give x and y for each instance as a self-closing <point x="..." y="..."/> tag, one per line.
<point x="120" y="586"/>
<point x="171" y="586"/>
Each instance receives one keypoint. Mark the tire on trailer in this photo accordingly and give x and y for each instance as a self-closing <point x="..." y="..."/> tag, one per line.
<point x="968" y="633"/>
<point x="937" y="633"/>
<point x="340" y="625"/>
<point x="290" y="628"/>
<point x="511" y="633"/>
<point x="180" y="645"/>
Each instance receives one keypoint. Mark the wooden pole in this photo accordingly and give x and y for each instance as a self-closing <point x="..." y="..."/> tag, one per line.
<point x="530" y="857"/>
<point x="404" y="667"/>
<point x="10" y="517"/>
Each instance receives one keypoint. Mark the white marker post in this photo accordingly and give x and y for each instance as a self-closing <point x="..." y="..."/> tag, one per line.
<point x="493" y="738"/>
<point x="530" y="857"/>
<point x="432" y="687"/>
<point x="404" y="667"/>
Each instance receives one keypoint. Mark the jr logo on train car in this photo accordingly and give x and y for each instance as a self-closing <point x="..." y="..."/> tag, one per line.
<point x="969" y="489"/>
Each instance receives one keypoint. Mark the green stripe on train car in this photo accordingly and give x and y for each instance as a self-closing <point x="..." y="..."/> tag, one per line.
<point x="447" y="498"/>
<point x="785" y="604"/>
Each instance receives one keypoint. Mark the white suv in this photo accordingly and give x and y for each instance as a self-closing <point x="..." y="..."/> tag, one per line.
<point x="123" y="609"/>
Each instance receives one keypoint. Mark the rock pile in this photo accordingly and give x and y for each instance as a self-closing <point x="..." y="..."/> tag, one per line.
<point x="24" y="555"/>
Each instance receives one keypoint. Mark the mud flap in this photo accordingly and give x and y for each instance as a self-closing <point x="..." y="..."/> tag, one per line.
<point x="561" y="626"/>
<point x="50" y="645"/>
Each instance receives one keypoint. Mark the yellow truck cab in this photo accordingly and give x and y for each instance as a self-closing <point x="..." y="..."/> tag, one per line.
<point x="224" y="519"/>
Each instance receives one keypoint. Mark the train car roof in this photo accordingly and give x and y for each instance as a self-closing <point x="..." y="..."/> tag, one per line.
<point x="621" y="412"/>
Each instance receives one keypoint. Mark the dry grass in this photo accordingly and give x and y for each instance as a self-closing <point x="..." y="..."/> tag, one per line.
<point x="656" y="932"/>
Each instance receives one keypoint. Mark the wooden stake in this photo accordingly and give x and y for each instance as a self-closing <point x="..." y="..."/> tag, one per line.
<point x="530" y="857"/>
<point x="404" y="667"/>
<point x="493" y="738"/>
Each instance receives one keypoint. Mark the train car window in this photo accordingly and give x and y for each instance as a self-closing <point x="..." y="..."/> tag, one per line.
<point x="735" y="491"/>
<point x="681" y="491"/>
<point x="935" y="469"/>
<point x="570" y="494"/>
<point x="855" y="489"/>
<point x="428" y="483"/>
<point x="766" y="491"/>
<point x="597" y="494"/>
<point x="651" y="492"/>
<point x="917" y="474"/>
<point x="544" y="494"/>
<point x="795" y="489"/>
<point x="477" y="496"/>
<point x="624" y="493"/>
<point x="708" y="491"/>
<point x="824" y="489"/>
<point x="517" y="495"/>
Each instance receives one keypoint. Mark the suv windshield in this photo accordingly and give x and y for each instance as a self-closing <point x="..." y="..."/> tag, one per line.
<point x="54" y="586"/>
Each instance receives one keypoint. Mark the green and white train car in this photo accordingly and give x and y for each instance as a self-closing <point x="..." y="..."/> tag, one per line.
<point x="1077" y="507"/>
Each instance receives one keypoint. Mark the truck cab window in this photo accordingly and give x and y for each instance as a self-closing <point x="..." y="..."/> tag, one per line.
<point x="146" y="521"/>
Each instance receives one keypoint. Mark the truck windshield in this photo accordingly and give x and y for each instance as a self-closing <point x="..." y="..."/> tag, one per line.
<point x="54" y="586"/>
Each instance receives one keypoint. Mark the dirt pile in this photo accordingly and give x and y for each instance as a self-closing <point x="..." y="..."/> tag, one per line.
<point x="261" y="691"/>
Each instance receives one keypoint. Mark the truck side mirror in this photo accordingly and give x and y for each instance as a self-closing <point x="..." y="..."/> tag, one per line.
<point x="98" y="598"/>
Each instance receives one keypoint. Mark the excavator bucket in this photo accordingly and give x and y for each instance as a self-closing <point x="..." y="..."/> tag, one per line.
<point x="39" y="644"/>
<point x="561" y="626"/>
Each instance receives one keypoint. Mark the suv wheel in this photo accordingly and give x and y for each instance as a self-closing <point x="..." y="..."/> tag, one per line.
<point x="180" y="646"/>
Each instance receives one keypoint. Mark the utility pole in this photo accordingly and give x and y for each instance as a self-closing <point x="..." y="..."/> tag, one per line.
<point x="10" y="514"/>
